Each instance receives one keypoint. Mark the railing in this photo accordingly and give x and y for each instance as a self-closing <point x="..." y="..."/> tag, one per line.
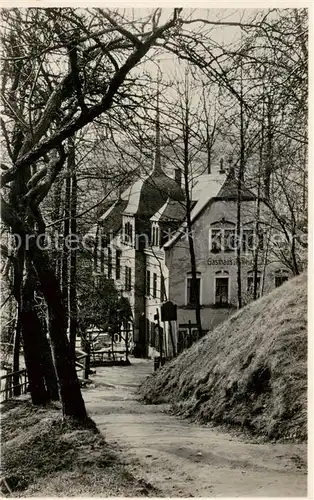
<point x="9" y="387"/>
<point x="103" y="355"/>
<point x="80" y="366"/>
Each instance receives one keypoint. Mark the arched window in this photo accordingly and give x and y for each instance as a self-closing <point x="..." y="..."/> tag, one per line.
<point x="155" y="235"/>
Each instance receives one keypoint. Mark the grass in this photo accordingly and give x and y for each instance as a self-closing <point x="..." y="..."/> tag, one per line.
<point x="249" y="373"/>
<point x="43" y="455"/>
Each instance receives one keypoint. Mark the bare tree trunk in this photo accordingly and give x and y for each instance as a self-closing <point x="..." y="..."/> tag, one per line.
<point x="194" y="286"/>
<point x="239" y="199"/>
<point x="269" y="161"/>
<point x="209" y="149"/>
<point x="48" y="366"/>
<point x="65" y="250"/>
<point x="56" y="216"/>
<point x="31" y="333"/>
<point x="72" y="297"/>
<point x="295" y="265"/>
<point x="70" y="392"/>
<point x="194" y="282"/>
<point x="16" y="353"/>
<point x="85" y="343"/>
<point x="71" y="397"/>
<point x="258" y="209"/>
<point x="239" y="242"/>
<point x="17" y="284"/>
<point x="256" y="250"/>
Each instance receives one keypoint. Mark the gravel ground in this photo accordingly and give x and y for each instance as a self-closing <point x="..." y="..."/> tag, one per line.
<point x="184" y="459"/>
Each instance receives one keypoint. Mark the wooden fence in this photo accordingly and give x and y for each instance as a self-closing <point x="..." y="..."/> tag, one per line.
<point x="13" y="384"/>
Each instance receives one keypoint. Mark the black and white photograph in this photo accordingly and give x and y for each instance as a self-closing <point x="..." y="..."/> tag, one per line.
<point x="154" y="250"/>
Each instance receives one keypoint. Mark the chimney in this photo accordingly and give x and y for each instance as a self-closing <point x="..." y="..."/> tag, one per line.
<point x="222" y="170"/>
<point x="177" y="176"/>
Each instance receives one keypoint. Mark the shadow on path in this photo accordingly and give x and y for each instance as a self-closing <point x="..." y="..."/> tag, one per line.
<point x="184" y="459"/>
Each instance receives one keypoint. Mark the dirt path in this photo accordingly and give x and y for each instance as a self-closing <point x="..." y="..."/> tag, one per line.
<point x="184" y="459"/>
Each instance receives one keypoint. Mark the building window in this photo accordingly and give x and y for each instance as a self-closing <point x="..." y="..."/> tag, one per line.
<point x="147" y="329"/>
<point x="148" y="283"/>
<point x="222" y="239"/>
<point x="216" y="240"/>
<point x="118" y="264"/>
<point x="250" y="285"/>
<point x="102" y="261"/>
<point x="248" y="240"/>
<point x="109" y="262"/>
<point x="162" y="289"/>
<point x="155" y="236"/>
<point x="222" y="291"/>
<point x="128" y="232"/>
<point x="154" y="285"/>
<point x="105" y="240"/>
<point x="193" y="293"/>
<point x="128" y="279"/>
<point x="229" y="240"/>
<point x="280" y="278"/>
<point x="260" y="236"/>
<point x="152" y="334"/>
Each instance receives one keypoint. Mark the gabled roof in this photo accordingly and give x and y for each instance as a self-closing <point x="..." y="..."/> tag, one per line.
<point x="206" y="189"/>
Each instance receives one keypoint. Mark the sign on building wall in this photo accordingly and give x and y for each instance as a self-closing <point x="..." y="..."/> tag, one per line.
<point x="229" y="262"/>
<point x="168" y="311"/>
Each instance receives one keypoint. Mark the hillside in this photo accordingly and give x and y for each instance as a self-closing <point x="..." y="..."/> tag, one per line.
<point x="44" y="455"/>
<point x="251" y="371"/>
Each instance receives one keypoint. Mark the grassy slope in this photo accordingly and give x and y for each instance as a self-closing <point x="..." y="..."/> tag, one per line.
<point x="41" y="455"/>
<point x="251" y="371"/>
